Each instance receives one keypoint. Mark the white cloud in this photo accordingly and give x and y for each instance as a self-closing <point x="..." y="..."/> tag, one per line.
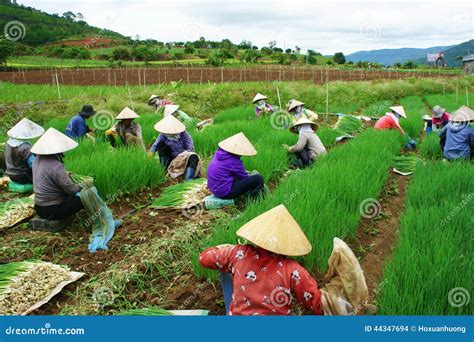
<point x="324" y="26"/>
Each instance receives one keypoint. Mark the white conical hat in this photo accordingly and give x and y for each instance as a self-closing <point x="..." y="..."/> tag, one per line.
<point x="152" y="98"/>
<point x="294" y="104"/>
<point x="463" y="114"/>
<point x="238" y="144"/>
<point x="259" y="97"/>
<point x="426" y="117"/>
<point x="400" y="110"/>
<point x="303" y="121"/>
<point x="170" y="125"/>
<point x="276" y="231"/>
<point x="53" y="142"/>
<point x="127" y="113"/>
<point x="25" y="130"/>
<point x="170" y="109"/>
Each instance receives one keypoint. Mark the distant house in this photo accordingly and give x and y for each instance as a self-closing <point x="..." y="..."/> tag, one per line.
<point x="468" y="64"/>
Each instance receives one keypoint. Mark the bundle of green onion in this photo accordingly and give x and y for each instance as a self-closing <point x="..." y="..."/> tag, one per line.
<point x="182" y="195"/>
<point x="2" y="147"/>
<point x="16" y="210"/>
<point x="78" y="179"/>
<point x="348" y="124"/>
<point x="405" y="164"/>
<point x="151" y="311"/>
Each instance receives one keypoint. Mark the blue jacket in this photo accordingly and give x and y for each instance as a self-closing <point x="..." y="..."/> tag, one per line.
<point x="76" y="128"/>
<point x="459" y="141"/>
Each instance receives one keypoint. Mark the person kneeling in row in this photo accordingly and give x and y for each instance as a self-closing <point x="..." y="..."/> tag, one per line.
<point x="309" y="146"/>
<point x="129" y="131"/>
<point x="57" y="197"/>
<point x="18" y="156"/>
<point x="176" y="149"/>
<point x="226" y="175"/>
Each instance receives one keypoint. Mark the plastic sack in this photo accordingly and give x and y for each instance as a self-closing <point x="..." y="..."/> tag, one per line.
<point x="346" y="290"/>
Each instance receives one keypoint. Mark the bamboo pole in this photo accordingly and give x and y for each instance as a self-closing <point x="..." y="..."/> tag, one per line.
<point x="57" y="84"/>
<point x="467" y="98"/>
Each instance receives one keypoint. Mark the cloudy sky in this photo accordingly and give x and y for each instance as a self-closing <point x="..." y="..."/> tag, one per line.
<point x="325" y="26"/>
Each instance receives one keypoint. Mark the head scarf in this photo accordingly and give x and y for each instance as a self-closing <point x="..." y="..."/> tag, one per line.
<point x="261" y="104"/>
<point x="15" y="142"/>
<point x="173" y="137"/>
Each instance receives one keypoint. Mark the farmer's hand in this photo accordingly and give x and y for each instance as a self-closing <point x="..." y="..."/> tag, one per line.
<point x="285" y="146"/>
<point x="88" y="183"/>
<point x="151" y="154"/>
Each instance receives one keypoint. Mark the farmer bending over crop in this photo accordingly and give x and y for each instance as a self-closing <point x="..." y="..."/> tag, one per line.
<point x="457" y="137"/>
<point x="226" y="175"/>
<point x="77" y="127"/>
<point x="309" y="146"/>
<point x="264" y="279"/>
<point x="439" y="119"/>
<point x="176" y="149"/>
<point x="129" y="131"/>
<point x="391" y="121"/>
<point x="18" y="156"/>
<point x="261" y="107"/>
<point x="298" y="110"/>
<point x="158" y="102"/>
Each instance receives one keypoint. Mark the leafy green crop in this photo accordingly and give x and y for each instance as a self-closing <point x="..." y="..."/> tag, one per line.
<point x="433" y="258"/>
<point x="430" y="147"/>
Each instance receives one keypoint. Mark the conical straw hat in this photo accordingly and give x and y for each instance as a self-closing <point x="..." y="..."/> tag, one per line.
<point x="426" y="117"/>
<point x="259" y="97"/>
<point x="463" y="114"/>
<point x="400" y="110"/>
<point x="152" y="98"/>
<point x="294" y="104"/>
<point x="25" y="130"/>
<point x="276" y="231"/>
<point x="170" y="125"/>
<point x="238" y="144"/>
<point x="53" y="142"/>
<point x="127" y="113"/>
<point x="303" y="121"/>
<point x="170" y="109"/>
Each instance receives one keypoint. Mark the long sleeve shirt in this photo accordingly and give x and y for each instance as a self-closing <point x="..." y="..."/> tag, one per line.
<point x="258" y="111"/>
<point x="224" y="169"/>
<point x="134" y="129"/>
<point x="458" y="141"/>
<point x="51" y="183"/>
<point x="77" y="127"/>
<point x="264" y="283"/>
<point x="311" y="142"/>
<point x="388" y="121"/>
<point x="18" y="158"/>
<point x="178" y="146"/>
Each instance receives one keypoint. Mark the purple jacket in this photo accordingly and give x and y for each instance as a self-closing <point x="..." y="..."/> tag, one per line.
<point x="184" y="143"/>
<point x="223" y="170"/>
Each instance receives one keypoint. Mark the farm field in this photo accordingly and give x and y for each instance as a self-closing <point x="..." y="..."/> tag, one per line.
<point x="396" y="225"/>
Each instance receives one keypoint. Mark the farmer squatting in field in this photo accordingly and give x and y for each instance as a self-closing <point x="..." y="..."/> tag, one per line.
<point x="158" y="102"/>
<point x="309" y="146"/>
<point x="129" y="131"/>
<point x="298" y="110"/>
<point x="440" y="118"/>
<point x="57" y="197"/>
<point x="226" y="174"/>
<point x="176" y="149"/>
<point x="457" y="137"/>
<point x="261" y="106"/>
<point x="18" y="156"/>
<point x="391" y="121"/>
<point x="77" y="127"/>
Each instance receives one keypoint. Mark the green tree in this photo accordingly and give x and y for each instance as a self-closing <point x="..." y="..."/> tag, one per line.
<point x="6" y="50"/>
<point x="339" y="58"/>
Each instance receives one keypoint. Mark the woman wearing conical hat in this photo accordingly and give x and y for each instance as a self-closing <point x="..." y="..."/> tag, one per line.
<point x="226" y="174"/>
<point x="265" y="281"/>
<point x="457" y="137"/>
<point x="175" y="146"/>
<point x="309" y="146"/>
<point x="158" y="102"/>
<point x="438" y="120"/>
<point x="298" y="110"/>
<point x="391" y="121"/>
<point x="261" y="106"/>
<point x="18" y="156"/>
<point x="129" y="131"/>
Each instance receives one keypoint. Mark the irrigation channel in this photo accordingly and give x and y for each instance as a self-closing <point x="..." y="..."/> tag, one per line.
<point x="198" y="74"/>
<point x="151" y="260"/>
